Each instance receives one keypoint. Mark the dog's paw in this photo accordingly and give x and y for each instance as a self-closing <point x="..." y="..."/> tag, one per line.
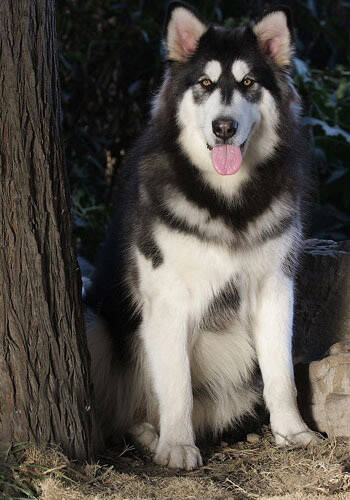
<point x="289" y="429"/>
<point x="146" y="435"/>
<point x="300" y="438"/>
<point x="178" y="456"/>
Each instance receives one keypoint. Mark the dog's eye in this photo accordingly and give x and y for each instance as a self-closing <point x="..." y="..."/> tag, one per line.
<point x="206" y="83"/>
<point x="248" y="82"/>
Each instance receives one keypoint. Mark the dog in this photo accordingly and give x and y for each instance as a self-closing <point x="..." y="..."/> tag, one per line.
<point x="193" y="293"/>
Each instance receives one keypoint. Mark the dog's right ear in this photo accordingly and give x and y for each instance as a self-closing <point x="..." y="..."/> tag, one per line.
<point x="182" y="31"/>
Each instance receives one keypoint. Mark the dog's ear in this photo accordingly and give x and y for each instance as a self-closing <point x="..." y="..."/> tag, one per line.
<point x="182" y="31"/>
<point x="275" y="35"/>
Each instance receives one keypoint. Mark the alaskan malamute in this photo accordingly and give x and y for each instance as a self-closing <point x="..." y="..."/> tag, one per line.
<point x="194" y="290"/>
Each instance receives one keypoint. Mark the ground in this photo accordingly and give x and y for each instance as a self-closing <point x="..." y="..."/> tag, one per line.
<point x="241" y="470"/>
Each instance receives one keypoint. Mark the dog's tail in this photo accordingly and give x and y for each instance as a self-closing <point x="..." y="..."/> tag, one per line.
<point x="116" y="388"/>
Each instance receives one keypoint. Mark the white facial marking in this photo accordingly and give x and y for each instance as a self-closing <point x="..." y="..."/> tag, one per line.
<point x="239" y="70"/>
<point x="257" y="129"/>
<point x="191" y="136"/>
<point x="264" y="138"/>
<point x="246" y="114"/>
<point x="213" y="70"/>
<point x="196" y="131"/>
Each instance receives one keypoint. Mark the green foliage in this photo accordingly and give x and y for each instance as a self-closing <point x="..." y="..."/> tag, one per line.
<point x="327" y="97"/>
<point x="107" y="67"/>
<point x="11" y="486"/>
<point x="110" y="68"/>
<point x="24" y="466"/>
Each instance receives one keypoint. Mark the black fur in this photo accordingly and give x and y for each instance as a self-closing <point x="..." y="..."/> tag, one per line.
<point x="222" y="309"/>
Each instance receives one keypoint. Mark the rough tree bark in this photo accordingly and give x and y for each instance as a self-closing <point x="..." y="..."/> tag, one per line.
<point x="44" y="376"/>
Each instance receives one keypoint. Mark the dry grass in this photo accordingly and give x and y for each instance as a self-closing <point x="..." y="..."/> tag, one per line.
<point x="238" y="471"/>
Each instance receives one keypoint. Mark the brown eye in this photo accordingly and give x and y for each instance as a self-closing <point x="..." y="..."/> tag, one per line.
<point x="206" y="83"/>
<point x="248" y="82"/>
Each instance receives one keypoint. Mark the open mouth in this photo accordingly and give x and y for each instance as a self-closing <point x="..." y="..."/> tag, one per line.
<point x="226" y="158"/>
<point x="241" y="146"/>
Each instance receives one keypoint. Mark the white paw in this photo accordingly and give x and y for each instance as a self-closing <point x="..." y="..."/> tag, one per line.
<point x="178" y="456"/>
<point x="145" y="435"/>
<point x="300" y="437"/>
<point x="289" y="429"/>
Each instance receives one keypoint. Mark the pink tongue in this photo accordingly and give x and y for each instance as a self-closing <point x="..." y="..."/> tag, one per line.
<point x="226" y="159"/>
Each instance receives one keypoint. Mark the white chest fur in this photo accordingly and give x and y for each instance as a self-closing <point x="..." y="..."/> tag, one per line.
<point x="193" y="271"/>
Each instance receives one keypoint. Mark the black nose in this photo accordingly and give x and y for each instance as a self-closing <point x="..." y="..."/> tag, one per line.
<point x="224" y="128"/>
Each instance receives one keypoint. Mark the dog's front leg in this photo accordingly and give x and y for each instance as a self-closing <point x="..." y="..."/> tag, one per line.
<point x="273" y="340"/>
<point x="165" y="335"/>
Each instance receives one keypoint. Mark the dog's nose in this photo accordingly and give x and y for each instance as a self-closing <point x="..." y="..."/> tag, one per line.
<point x="224" y="128"/>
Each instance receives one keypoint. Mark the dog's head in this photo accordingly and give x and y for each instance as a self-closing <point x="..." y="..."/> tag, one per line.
<point x="226" y="86"/>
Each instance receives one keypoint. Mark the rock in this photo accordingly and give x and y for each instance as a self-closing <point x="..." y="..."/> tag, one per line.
<point x="340" y="347"/>
<point x="321" y="342"/>
<point x="329" y="392"/>
<point x="253" y="438"/>
<point x="322" y="312"/>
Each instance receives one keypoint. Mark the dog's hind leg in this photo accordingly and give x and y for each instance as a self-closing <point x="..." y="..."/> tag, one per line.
<point x="145" y="435"/>
<point x="273" y="336"/>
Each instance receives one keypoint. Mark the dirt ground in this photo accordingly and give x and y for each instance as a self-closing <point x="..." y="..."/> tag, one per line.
<point x="241" y="470"/>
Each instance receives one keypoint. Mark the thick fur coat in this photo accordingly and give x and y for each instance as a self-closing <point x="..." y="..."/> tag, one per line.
<point x="194" y="290"/>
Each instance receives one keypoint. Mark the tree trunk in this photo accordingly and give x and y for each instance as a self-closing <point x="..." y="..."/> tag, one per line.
<point x="45" y="391"/>
<point x="322" y="312"/>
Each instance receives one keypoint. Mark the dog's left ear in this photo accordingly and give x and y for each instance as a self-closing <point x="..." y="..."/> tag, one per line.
<point x="182" y="31"/>
<point x="275" y="35"/>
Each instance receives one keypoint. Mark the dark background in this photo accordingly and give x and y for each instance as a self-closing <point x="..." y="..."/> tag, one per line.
<point x="111" y="67"/>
